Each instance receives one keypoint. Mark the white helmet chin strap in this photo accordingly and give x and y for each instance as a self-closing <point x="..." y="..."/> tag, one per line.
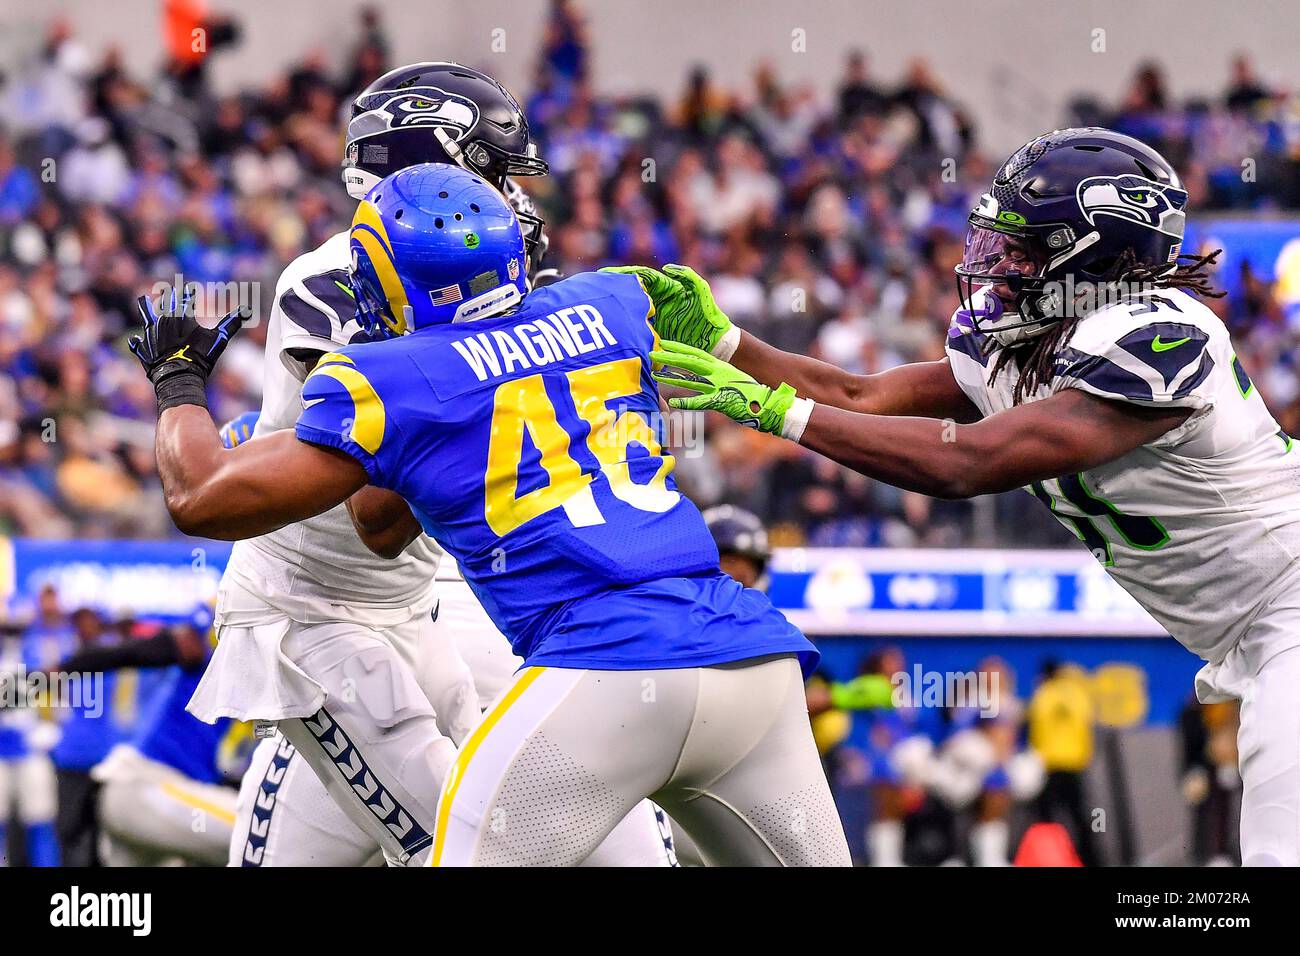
<point x="451" y="147"/>
<point x="358" y="182"/>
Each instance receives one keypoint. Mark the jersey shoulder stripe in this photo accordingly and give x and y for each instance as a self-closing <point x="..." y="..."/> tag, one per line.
<point x="306" y="316"/>
<point x="1097" y="373"/>
<point x="320" y="305"/>
<point x="1156" y="350"/>
<point x="315" y="301"/>
<point x="966" y="341"/>
<point x="342" y="409"/>
<point x="1167" y="347"/>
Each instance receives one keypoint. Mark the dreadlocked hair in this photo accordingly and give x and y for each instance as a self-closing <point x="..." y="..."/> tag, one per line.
<point x="1036" y="359"/>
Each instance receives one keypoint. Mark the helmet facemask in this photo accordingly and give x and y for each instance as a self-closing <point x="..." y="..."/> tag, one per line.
<point x="1002" y="284"/>
<point x="374" y="309"/>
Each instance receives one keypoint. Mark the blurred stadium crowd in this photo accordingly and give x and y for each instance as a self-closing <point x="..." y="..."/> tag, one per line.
<point x="1014" y="777"/>
<point x="826" y="226"/>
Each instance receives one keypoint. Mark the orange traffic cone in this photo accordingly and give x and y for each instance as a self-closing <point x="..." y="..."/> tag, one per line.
<point x="1047" y="844"/>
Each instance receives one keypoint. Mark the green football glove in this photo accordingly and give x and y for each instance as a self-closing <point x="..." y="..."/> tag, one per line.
<point x="726" y="389"/>
<point x="684" y="309"/>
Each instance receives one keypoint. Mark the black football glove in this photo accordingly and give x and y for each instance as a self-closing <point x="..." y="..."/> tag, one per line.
<point x="177" y="353"/>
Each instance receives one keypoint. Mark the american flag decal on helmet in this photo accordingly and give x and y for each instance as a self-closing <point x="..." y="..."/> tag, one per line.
<point x="445" y="296"/>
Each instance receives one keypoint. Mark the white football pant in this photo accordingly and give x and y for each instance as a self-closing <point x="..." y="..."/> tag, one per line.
<point x="285" y="815"/>
<point x="150" y="812"/>
<point x="1263" y="671"/>
<point x="565" y="754"/>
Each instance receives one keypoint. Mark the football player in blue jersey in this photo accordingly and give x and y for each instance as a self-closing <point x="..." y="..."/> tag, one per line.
<point x="161" y="792"/>
<point x="1083" y="366"/>
<point x="517" y="425"/>
<point x="301" y="607"/>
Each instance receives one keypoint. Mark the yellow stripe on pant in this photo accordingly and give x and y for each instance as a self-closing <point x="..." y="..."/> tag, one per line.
<point x="198" y="803"/>
<point x="457" y="773"/>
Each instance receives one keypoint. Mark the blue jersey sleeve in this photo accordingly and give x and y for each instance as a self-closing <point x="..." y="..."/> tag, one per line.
<point x="342" y="409"/>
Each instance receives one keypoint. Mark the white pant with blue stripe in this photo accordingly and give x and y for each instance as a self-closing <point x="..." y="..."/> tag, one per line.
<point x="381" y="746"/>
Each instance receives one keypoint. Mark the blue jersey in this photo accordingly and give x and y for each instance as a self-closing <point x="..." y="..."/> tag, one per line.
<point x="524" y="444"/>
<point x="103" y="709"/>
<point x="45" y="645"/>
<point x="13" y="740"/>
<point x="177" y="738"/>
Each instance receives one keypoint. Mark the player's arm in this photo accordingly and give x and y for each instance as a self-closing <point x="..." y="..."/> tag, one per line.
<point x="1069" y="432"/>
<point x="928" y="389"/>
<point x="383" y="521"/>
<point x="683" y="311"/>
<point x="249" y="490"/>
<point x="227" y="494"/>
<point x="172" y="645"/>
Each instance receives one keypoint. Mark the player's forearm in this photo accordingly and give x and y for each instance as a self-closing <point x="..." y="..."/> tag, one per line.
<point x="811" y="378"/>
<point x="189" y="453"/>
<point x="1066" y="433"/>
<point x="383" y="520"/>
<point x="250" y="490"/>
<point x="927" y="389"/>
<point x="160" y="650"/>
<point x="933" y="457"/>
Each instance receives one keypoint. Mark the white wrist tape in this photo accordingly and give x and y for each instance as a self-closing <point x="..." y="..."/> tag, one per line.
<point x="796" y="419"/>
<point x="728" y="344"/>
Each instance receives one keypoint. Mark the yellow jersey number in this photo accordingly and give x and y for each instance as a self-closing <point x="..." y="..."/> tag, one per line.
<point x="523" y="404"/>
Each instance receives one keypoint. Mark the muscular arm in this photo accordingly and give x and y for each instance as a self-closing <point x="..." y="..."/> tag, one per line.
<point x="923" y="388"/>
<point x="172" y="646"/>
<point x="249" y="490"/>
<point x="1066" y="433"/>
<point x="383" y="520"/>
<point x="160" y="650"/>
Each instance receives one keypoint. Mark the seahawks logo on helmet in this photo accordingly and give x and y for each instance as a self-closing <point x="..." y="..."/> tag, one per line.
<point x="423" y="106"/>
<point x="1136" y="199"/>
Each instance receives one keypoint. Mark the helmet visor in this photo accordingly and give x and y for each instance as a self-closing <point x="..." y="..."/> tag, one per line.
<point x="1007" y="264"/>
<point x="1002" y="284"/>
<point x="1002" y="256"/>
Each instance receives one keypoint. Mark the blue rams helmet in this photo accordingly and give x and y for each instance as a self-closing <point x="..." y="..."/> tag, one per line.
<point x="433" y="244"/>
<point x="1076" y="203"/>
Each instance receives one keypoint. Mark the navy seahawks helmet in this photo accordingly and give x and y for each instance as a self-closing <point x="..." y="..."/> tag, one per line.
<point x="433" y="244"/>
<point x="441" y="113"/>
<point x="1072" y="203"/>
<point x="740" y="532"/>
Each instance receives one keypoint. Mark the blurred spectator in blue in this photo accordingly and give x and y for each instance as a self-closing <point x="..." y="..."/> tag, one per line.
<point x="18" y="192"/>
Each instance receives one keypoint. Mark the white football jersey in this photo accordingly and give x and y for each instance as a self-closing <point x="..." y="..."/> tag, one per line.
<point x="319" y="569"/>
<point x="1202" y="525"/>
